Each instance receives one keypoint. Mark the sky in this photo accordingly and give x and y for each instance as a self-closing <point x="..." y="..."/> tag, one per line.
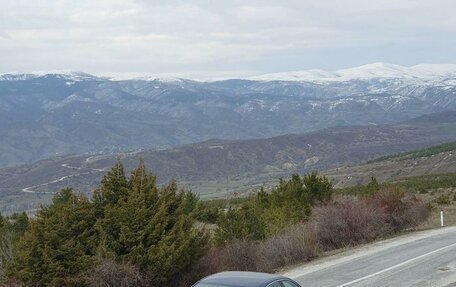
<point x="222" y="38"/>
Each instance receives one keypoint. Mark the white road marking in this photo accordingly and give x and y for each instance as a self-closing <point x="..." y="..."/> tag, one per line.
<point x="397" y="265"/>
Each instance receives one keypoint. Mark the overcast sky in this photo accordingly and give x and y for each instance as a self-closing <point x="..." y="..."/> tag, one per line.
<point x="218" y="38"/>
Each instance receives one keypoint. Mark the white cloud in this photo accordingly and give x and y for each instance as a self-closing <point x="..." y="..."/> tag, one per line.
<point x="203" y="36"/>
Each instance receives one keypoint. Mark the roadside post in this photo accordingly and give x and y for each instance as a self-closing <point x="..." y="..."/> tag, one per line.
<point x="441" y="218"/>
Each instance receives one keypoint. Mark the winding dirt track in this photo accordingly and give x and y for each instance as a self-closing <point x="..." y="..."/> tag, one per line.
<point x="31" y="189"/>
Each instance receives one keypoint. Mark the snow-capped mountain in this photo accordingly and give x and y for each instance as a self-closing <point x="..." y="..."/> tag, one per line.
<point x="426" y="72"/>
<point x="46" y="113"/>
<point x="65" y="75"/>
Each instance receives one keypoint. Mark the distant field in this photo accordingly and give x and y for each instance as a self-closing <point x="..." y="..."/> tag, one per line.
<point x="424" y="184"/>
<point x="427" y="152"/>
<point x="434" y="163"/>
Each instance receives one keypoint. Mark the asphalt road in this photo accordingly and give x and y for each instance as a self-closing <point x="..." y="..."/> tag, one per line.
<point x="425" y="258"/>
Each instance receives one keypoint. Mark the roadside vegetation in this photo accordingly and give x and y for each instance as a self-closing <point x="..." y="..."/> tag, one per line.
<point x="334" y="221"/>
<point x="132" y="232"/>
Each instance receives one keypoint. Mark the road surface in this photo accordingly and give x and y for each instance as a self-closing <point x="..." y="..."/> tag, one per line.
<point x="426" y="258"/>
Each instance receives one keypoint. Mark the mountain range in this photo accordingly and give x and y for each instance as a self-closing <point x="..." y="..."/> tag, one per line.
<point x="49" y="114"/>
<point x="219" y="168"/>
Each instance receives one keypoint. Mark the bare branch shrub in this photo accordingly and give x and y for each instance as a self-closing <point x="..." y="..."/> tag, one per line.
<point x="347" y="221"/>
<point x="114" y="274"/>
<point x="416" y="212"/>
<point x="297" y="244"/>
<point x="238" y="255"/>
<point x="403" y="209"/>
<point x="234" y="255"/>
<point x="350" y="220"/>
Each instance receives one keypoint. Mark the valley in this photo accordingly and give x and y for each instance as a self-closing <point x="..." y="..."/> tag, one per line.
<point x="226" y="168"/>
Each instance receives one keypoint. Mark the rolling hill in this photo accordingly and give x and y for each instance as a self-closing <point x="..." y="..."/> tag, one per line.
<point x="436" y="160"/>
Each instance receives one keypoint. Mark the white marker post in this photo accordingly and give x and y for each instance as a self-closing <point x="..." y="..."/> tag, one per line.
<point x="441" y="218"/>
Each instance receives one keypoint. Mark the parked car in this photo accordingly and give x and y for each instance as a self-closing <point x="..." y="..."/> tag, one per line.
<point x="245" y="279"/>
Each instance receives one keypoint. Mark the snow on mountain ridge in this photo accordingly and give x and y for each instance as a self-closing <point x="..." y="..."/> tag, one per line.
<point x="441" y="69"/>
<point x="421" y="72"/>
<point x="369" y="71"/>
<point x="77" y="76"/>
<point x="16" y="76"/>
<point x="162" y="79"/>
<point x="67" y="75"/>
<point x="375" y="70"/>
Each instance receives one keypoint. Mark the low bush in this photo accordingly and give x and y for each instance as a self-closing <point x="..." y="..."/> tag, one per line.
<point x="443" y="200"/>
<point x="296" y="244"/>
<point x="236" y="254"/>
<point x="403" y="209"/>
<point x="114" y="274"/>
<point x="349" y="220"/>
<point x="292" y="245"/>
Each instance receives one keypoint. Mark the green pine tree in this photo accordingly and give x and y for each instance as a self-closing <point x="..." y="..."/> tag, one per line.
<point x="372" y="186"/>
<point x="153" y="228"/>
<point x="59" y="244"/>
<point x="113" y="187"/>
